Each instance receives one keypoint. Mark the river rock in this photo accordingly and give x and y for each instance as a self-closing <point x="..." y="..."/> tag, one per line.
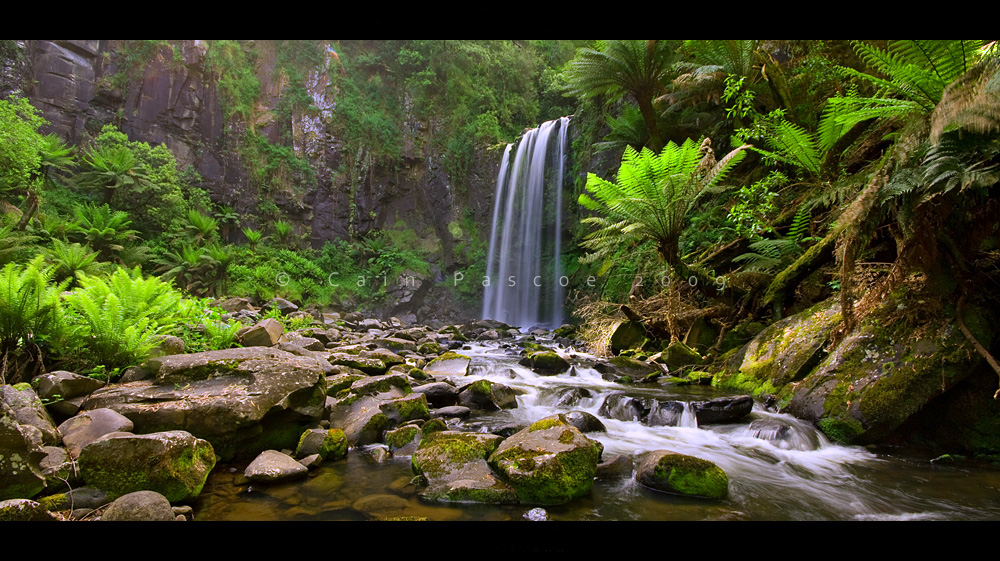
<point x="680" y="474"/>
<point x="174" y="463"/>
<point x="369" y="365"/>
<point x="271" y="466"/>
<point x="547" y="363"/>
<point x="459" y="411"/>
<point x="86" y="427"/>
<point x="487" y="396"/>
<point x="618" y="466"/>
<point x="678" y="355"/>
<point x="404" y="440"/>
<point x="27" y="409"/>
<point x="140" y="506"/>
<point x="585" y="422"/>
<point x="329" y="444"/>
<point x="723" y="409"/>
<point x="406" y="408"/>
<point x="266" y="333"/>
<point x="439" y="394"/>
<point x="448" y="364"/>
<point x="241" y="400"/>
<point x="550" y="462"/>
<point x="58" y="469"/>
<point x="20" y="474"/>
<point x="455" y="469"/>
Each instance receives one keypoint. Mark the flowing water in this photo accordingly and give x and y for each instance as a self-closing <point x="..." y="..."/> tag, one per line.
<point x="526" y="283"/>
<point x="779" y="467"/>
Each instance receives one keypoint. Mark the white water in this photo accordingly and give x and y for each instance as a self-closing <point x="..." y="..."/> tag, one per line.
<point x="779" y="467"/>
<point x="525" y="242"/>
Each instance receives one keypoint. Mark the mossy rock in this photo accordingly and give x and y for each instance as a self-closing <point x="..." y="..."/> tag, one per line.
<point x="633" y="368"/>
<point x="886" y="372"/>
<point x="548" y="362"/>
<point x="453" y="464"/>
<point x="682" y="475"/>
<point x="173" y="463"/>
<point x="403" y="440"/>
<point x="330" y="444"/>
<point x="678" y="355"/>
<point x="549" y="462"/>
<point x="784" y="352"/>
<point x="448" y="364"/>
<point x="628" y="335"/>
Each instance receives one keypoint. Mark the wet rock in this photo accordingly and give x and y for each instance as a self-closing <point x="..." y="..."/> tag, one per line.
<point x="404" y="440"/>
<point x="679" y="355"/>
<point x="370" y="366"/>
<point x="618" y="466"/>
<point x="723" y="409"/>
<point x="174" y="463"/>
<point x="487" y="396"/>
<point x="680" y="474"/>
<point x="140" y="506"/>
<point x="550" y="462"/>
<point x="665" y="413"/>
<point x="330" y="444"/>
<point x="459" y="411"/>
<point x="455" y="469"/>
<point x="622" y="407"/>
<point x="271" y="466"/>
<point x="439" y="394"/>
<point x="407" y="408"/>
<point x="547" y="363"/>
<point x="585" y="422"/>
<point x="448" y="364"/>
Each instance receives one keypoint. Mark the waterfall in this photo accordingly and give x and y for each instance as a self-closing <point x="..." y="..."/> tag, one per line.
<point x="523" y="270"/>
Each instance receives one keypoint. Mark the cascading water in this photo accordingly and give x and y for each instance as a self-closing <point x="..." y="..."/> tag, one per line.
<point x="523" y="270"/>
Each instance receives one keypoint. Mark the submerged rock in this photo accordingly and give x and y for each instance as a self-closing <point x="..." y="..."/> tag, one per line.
<point x="680" y="474"/>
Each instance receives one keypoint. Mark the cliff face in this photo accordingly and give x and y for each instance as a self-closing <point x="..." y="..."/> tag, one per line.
<point x="174" y="99"/>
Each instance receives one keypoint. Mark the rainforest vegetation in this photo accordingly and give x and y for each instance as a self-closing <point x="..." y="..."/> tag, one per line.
<point x="725" y="183"/>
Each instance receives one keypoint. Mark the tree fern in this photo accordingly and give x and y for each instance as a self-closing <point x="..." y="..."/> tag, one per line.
<point x="652" y="197"/>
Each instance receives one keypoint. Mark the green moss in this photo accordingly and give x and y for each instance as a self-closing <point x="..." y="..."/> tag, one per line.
<point x="452" y="355"/>
<point x="433" y="425"/>
<point x="402" y="436"/>
<point x="546" y="423"/>
<point x="417" y="374"/>
<point x="692" y="476"/>
<point x="845" y="431"/>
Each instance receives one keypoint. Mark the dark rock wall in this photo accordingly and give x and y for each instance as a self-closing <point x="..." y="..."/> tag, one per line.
<point x="173" y="100"/>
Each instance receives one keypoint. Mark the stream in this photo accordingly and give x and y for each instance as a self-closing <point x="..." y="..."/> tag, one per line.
<point x="779" y="468"/>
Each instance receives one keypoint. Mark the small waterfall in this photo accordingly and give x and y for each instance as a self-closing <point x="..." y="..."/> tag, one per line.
<point x="525" y="278"/>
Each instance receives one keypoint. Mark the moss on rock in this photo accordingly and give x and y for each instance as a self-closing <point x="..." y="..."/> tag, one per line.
<point x="684" y="475"/>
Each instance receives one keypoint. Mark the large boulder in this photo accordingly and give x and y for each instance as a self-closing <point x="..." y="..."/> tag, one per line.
<point x="550" y="462"/>
<point x="884" y="372"/>
<point x="453" y="465"/>
<point x="784" y="352"/>
<point x="680" y="474"/>
<point x="175" y="464"/>
<point x="359" y="411"/>
<point x="241" y="400"/>
<point x="64" y="391"/>
<point x="723" y="409"/>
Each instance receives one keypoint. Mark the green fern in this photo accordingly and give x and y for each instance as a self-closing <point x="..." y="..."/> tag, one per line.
<point x="652" y="197"/>
<point x="120" y="317"/>
<point x="31" y="314"/>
